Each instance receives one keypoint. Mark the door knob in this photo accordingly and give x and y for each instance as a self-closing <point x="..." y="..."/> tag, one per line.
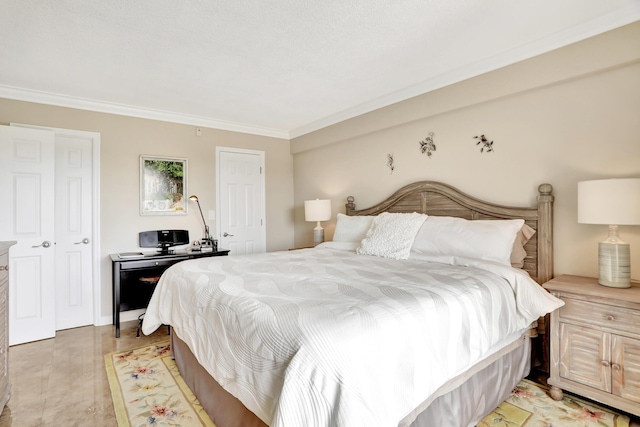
<point x="85" y="241"/>
<point x="225" y="234"/>
<point x="44" y="244"/>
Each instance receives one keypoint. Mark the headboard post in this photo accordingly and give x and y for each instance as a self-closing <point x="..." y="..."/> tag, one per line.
<point x="545" y="233"/>
<point x="350" y="206"/>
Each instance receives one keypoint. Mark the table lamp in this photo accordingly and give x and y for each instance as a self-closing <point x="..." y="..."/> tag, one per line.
<point x="317" y="210"/>
<point x="206" y="241"/>
<point x="614" y="202"/>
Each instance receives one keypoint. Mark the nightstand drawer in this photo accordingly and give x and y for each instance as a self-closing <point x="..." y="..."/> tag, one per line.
<point x="596" y="314"/>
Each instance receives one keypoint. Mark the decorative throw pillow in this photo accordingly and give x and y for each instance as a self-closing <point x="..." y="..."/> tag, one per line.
<point x="518" y="254"/>
<point x="391" y="235"/>
<point x="490" y="240"/>
<point x="351" y="228"/>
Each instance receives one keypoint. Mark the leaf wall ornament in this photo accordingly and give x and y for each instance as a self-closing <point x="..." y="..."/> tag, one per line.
<point x="428" y="146"/>
<point x="486" y="144"/>
<point x="390" y="162"/>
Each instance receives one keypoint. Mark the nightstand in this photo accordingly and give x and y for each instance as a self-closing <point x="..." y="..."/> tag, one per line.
<point x="595" y="342"/>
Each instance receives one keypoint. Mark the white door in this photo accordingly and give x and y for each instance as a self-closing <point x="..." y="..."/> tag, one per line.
<point x="240" y="200"/>
<point x="27" y="191"/>
<point x="74" y="231"/>
<point x="76" y="273"/>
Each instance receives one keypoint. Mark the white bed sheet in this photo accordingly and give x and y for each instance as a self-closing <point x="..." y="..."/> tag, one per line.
<point x="325" y="337"/>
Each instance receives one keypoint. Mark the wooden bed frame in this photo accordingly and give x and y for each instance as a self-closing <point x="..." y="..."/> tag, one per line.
<point x="432" y="198"/>
<point x="436" y="198"/>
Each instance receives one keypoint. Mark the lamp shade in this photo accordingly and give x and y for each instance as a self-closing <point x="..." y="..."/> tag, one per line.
<point x="317" y="210"/>
<point x="609" y="201"/>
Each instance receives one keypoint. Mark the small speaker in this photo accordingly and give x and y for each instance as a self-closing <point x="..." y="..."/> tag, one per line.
<point x="148" y="239"/>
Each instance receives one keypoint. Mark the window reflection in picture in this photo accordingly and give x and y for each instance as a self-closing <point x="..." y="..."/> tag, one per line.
<point x="163" y="185"/>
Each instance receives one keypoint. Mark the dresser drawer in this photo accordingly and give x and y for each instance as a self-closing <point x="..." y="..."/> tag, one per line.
<point x="4" y="267"/>
<point x="595" y="314"/>
<point x="4" y="303"/>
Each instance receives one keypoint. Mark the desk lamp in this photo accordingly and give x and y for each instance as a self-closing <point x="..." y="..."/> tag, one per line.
<point x="206" y="241"/>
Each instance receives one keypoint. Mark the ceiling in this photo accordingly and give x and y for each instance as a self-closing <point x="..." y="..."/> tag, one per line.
<point x="280" y="68"/>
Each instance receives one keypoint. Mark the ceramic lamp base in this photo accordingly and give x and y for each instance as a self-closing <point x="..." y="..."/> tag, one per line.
<point x="318" y="235"/>
<point x="614" y="264"/>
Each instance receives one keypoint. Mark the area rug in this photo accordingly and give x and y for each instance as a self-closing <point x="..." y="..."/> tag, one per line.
<point x="530" y="405"/>
<point x="147" y="390"/>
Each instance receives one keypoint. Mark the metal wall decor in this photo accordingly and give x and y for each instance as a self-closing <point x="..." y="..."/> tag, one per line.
<point x="428" y="146"/>
<point x="390" y="162"/>
<point x="486" y="144"/>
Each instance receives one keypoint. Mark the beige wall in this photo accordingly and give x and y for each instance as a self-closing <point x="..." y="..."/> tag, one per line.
<point x="569" y="115"/>
<point x="566" y="116"/>
<point x="124" y="139"/>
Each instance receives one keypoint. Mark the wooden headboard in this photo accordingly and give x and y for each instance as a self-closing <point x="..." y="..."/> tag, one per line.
<point x="435" y="198"/>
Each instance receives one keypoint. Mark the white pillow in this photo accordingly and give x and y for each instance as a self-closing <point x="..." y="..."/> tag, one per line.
<point x="391" y="235"/>
<point x="351" y="228"/>
<point x="490" y="240"/>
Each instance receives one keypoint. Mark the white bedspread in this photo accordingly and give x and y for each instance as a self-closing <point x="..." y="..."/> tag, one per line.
<point x="325" y="337"/>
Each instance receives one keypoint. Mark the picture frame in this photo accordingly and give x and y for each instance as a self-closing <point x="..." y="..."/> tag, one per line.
<point x="163" y="185"/>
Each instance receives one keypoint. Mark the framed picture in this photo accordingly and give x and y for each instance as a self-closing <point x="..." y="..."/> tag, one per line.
<point x="163" y="185"/>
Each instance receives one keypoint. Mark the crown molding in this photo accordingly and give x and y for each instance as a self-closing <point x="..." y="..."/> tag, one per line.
<point x="40" y="97"/>
<point x="619" y="18"/>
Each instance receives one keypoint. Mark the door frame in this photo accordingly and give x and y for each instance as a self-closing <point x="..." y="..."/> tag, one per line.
<point x="263" y="207"/>
<point x="95" y="205"/>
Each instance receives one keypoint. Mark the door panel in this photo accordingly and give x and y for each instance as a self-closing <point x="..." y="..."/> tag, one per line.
<point x="625" y="367"/>
<point x="241" y="201"/>
<point x="582" y="351"/>
<point x="74" y="230"/>
<point x="27" y="182"/>
<point x="26" y="204"/>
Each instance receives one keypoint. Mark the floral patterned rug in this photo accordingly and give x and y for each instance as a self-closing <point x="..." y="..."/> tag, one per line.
<point x="147" y="390"/>
<point x="530" y="405"/>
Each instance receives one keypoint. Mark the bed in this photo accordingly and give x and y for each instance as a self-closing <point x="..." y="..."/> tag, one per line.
<point x="407" y="318"/>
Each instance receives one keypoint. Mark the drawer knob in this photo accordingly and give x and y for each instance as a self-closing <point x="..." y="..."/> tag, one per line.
<point x="609" y="317"/>
<point x="605" y="363"/>
<point x="4" y="268"/>
<point x="615" y="367"/>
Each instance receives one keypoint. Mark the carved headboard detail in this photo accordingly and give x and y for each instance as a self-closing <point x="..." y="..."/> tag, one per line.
<point x="436" y="198"/>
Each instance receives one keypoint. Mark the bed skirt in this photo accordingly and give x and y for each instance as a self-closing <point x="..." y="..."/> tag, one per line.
<point x="223" y="408"/>
<point x="468" y="403"/>
<point x="462" y="402"/>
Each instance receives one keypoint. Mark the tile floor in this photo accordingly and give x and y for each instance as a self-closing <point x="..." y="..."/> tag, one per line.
<point x="62" y="381"/>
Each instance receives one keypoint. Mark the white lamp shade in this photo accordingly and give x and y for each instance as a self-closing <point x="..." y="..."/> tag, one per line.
<point x="609" y="201"/>
<point x="317" y="210"/>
